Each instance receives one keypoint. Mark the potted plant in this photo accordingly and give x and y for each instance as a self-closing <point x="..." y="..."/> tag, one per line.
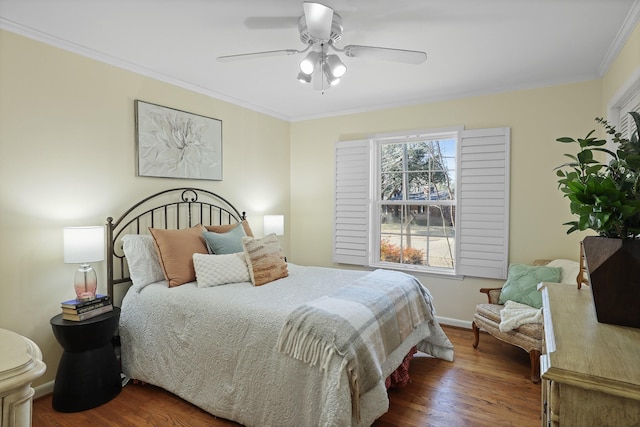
<point x="604" y="195"/>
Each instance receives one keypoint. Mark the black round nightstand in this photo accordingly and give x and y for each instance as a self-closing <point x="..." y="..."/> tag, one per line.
<point x="89" y="373"/>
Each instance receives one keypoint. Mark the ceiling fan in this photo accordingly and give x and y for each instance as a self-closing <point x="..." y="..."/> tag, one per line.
<point x="320" y="28"/>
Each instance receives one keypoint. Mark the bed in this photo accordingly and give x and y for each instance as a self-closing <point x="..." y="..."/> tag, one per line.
<point x="298" y="347"/>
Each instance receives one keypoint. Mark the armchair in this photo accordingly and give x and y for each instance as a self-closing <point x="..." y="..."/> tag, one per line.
<point x="529" y="336"/>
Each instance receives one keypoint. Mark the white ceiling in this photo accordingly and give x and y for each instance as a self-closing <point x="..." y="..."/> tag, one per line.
<point x="474" y="47"/>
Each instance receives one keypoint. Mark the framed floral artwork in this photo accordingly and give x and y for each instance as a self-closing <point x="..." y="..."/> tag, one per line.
<point x="172" y="143"/>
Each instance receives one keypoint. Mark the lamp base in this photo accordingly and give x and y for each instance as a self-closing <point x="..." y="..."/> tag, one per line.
<point x="85" y="283"/>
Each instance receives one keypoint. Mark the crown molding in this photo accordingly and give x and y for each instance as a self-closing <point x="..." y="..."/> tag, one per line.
<point x="45" y="38"/>
<point x="627" y="27"/>
<point x="631" y="21"/>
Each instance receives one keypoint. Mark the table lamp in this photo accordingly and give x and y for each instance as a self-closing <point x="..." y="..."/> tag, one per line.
<point x="83" y="245"/>
<point x="274" y="224"/>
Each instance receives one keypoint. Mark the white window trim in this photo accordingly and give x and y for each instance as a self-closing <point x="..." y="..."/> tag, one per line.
<point x="628" y="92"/>
<point x="354" y="216"/>
<point x="374" y="205"/>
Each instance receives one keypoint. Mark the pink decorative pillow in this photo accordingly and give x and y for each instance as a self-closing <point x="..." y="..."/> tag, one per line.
<point x="228" y="227"/>
<point x="176" y="249"/>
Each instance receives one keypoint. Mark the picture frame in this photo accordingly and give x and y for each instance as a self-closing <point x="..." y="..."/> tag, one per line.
<point x="172" y="143"/>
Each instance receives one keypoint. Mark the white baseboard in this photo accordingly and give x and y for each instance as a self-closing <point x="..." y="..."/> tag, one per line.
<point x="454" y="322"/>
<point x="43" y="389"/>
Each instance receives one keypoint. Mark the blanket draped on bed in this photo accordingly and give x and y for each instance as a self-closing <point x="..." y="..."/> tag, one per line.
<point x="382" y="309"/>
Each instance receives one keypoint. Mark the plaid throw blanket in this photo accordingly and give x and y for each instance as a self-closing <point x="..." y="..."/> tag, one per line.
<point x="363" y="323"/>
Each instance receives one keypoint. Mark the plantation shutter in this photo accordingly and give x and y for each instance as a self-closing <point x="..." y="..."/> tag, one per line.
<point x="352" y="197"/>
<point x="482" y="242"/>
<point x="627" y="125"/>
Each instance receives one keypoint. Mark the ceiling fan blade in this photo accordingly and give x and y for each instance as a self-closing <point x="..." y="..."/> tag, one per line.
<point x="386" y="54"/>
<point x="270" y="22"/>
<point x="254" y="55"/>
<point x="319" y="18"/>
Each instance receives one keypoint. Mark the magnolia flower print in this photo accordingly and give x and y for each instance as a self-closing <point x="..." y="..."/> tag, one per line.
<point x="173" y="145"/>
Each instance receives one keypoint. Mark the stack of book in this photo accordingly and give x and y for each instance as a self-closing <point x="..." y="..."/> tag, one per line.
<point x="77" y="310"/>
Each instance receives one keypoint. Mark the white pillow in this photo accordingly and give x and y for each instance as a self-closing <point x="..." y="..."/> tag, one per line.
<point x="142" y="258"/>
<point x="214" y="270"/>
<point x="569" y="270"/>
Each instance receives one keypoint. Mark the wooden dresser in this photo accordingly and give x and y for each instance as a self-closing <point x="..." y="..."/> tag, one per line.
<point x="590" y="371"/>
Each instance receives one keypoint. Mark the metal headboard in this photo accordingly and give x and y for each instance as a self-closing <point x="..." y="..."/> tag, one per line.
<point x="175" y="208"/>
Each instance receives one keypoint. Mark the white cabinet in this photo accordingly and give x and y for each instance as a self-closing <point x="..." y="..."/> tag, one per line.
<point x="20" y="364"/>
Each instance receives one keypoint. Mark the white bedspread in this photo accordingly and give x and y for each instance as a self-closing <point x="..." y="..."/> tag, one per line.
<point x="216" y="347"/>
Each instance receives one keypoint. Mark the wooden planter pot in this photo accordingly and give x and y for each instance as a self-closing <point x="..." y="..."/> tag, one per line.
<point x="614" y="272"/>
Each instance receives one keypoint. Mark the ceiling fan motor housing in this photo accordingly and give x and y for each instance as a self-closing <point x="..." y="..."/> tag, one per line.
<point x="334" y="37"/>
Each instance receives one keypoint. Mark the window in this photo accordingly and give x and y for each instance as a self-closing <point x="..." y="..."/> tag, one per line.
<point x="628" y="99"/>
<point x="627" y="126"/>
<point x="415" y="198"/>
<point x="426" y="201"/>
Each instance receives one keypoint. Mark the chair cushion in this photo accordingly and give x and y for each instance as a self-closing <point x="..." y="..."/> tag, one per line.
<point x="491" y="312"/>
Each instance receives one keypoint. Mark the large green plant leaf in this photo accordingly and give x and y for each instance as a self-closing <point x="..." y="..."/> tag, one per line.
<point x="604" y="196"/>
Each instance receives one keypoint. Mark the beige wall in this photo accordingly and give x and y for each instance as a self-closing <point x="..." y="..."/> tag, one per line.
<point x="536" y="118"/>
<point x="538" y="210"/>
<point x="67" y="158"/>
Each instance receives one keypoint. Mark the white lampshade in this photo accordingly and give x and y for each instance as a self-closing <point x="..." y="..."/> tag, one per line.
<point x="336" y="66"/>
<point x="304" y="78"/>
<point x="83" y="244"/>
<point x="274" y="224"/>
<point x="308" y="64"/>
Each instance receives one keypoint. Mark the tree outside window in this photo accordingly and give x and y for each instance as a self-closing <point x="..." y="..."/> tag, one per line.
<point x="416" y="198"/>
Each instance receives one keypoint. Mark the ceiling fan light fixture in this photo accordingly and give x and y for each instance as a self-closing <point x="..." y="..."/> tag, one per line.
<point x="336" y="66"/>
<point x="304" y="78"/>
<point x="332" y="79"/>
<point x="320" y="28"/>
<point x="308" y="64"/>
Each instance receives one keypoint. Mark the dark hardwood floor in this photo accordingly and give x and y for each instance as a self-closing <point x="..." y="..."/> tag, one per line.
<point x="489" y="386"/>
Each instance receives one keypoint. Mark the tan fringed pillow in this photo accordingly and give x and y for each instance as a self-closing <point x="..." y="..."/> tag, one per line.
<point x="176" y="249"/>
<point x="265" y="259"/>
<point x="228" y="227"/>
